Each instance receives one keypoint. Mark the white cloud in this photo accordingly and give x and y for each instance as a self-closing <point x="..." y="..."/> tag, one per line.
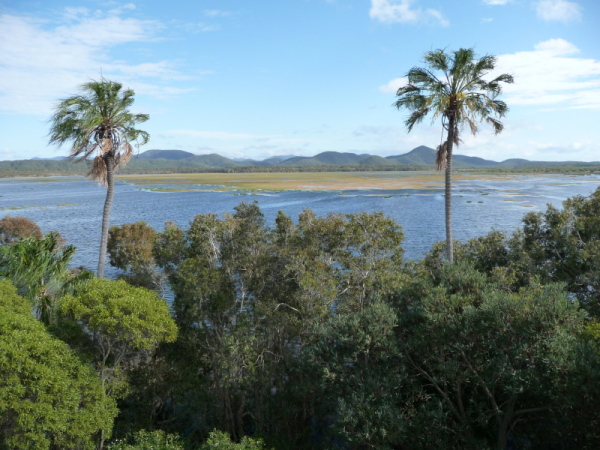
<point x="486" y="20"/>
<point x="496" y="2"/>
<point x="42" y="61"/>
<point x="206" y="27"/>
<point x="401" y="11"/>
<point x="438" y="15"/>
<point x="551" y="75"/>
<point x="216" y="13"/>
<point x="556" y="47"/>
<point x="558" y="10"/>
<point x="392" y="86"/>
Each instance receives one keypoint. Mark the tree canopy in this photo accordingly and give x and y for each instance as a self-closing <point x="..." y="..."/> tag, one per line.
<point x="48" y="397"/>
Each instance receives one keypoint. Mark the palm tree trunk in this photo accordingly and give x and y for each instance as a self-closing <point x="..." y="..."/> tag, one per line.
<point x="110" y="162"/>
<point x="448" y="190"/>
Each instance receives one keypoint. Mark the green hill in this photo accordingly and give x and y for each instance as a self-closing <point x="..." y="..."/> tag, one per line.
<point x="160" y="161"/>
<point x="164" y="154"/>
<point x="325" y="159"/>
<point x="423" y="155"/>
<point x="374" y="160"/>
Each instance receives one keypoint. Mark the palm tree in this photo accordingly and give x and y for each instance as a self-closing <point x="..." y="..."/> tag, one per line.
<point x="39" y="268"/>
<point x="459" y="96"/>
<point x="99" y="125"/>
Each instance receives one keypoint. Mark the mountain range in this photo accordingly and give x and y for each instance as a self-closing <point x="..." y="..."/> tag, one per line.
<point x="419" y="156"/>
<point x="153" y="161"/>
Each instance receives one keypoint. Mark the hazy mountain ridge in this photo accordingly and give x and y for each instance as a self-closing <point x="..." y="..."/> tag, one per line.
<point x="157" y="159"/>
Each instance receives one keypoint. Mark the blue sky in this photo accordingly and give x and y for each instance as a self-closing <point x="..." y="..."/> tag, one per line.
<point x="261" y="78"/>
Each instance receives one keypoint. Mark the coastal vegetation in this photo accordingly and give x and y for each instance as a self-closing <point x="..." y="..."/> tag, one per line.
<point x="310" y="332"/>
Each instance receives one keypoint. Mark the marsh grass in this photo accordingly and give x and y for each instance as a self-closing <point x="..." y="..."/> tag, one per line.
<point x="306" y="181"/>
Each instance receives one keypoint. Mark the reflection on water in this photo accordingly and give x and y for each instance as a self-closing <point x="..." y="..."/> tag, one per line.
<point x="74" y="208"/>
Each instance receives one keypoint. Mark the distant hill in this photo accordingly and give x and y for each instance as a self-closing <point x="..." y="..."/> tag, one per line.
<point x="164" y="154"/>
<point x="157" y="161"/>
<point x="374" y="160"/>
<point x="56" y="158"/>
<point x="423" y="155"/>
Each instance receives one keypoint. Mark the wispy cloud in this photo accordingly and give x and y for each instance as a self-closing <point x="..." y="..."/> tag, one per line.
<point x="558" y="10"/>
<point x="401" y="11"/>
<point x="216" y="13"/>
<point x="392" y="86"/>
<point x="43" y="60"/>
<point x="496" y="2"/>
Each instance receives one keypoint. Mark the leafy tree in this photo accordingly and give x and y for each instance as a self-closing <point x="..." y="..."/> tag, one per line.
<point x="130" y="248"/>
<point x="39" y="269"/>
<point x="13" y="229"/>
<point x="48" y="397"/>
<point x="493" y="364"/>
<point x="149" y="440"/>
<point x="563" y="245"/>
<point x="99" y="125"/>
<point x="459" y="96"/>
<point x="556" y="245"/>
<point x="123" y="322"/>
<point x="246" y="299"/>
<point x="121" y="326"/>
<point x="361" y="379"/>
<point x="220" y="440"/>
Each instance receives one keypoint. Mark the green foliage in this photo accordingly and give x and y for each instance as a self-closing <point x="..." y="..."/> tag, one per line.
<point x="220" y="440"/>
<point x="13" y="229"/>
<point x="460" y="91"/>
<point x="98" y="122"/>
<point x="130" y="248"/>
<point x="123" y="322"/>
<point x="558" y="245"/>
<point x="39" y="269"/>
<point x="48" y="397"/>
<point x="361" y="379"/>
<point x="246" y="298"/>
<point x="491" y="362"/>
<point x="149" y="440"/>
<point x="11" y="301"/>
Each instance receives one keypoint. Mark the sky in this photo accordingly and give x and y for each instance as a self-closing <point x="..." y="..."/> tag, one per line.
<point x="260" y="78"/>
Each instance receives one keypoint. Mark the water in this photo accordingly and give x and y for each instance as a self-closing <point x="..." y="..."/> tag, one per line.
<point x="74" y="207"/>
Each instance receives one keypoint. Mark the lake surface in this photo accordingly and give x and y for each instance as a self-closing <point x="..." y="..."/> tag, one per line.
<point x="74" y="207"/>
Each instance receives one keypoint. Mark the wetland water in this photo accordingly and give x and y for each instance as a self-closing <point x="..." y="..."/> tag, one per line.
<point x="74" y="206"/>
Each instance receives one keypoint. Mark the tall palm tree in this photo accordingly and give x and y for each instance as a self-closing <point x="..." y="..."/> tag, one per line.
<point x="458" y="96"/>
<point x="99" y="125"/>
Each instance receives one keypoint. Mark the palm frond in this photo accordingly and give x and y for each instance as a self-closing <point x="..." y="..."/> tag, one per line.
<point x="498" y="126"/>
<point x="98" y="124"/>
<point x="441" y="157"/>
<point x="98" y="170"/>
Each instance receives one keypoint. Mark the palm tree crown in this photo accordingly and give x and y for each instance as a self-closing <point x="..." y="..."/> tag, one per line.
<point x="459" y="96"/>
<point x="99" y="125"/>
